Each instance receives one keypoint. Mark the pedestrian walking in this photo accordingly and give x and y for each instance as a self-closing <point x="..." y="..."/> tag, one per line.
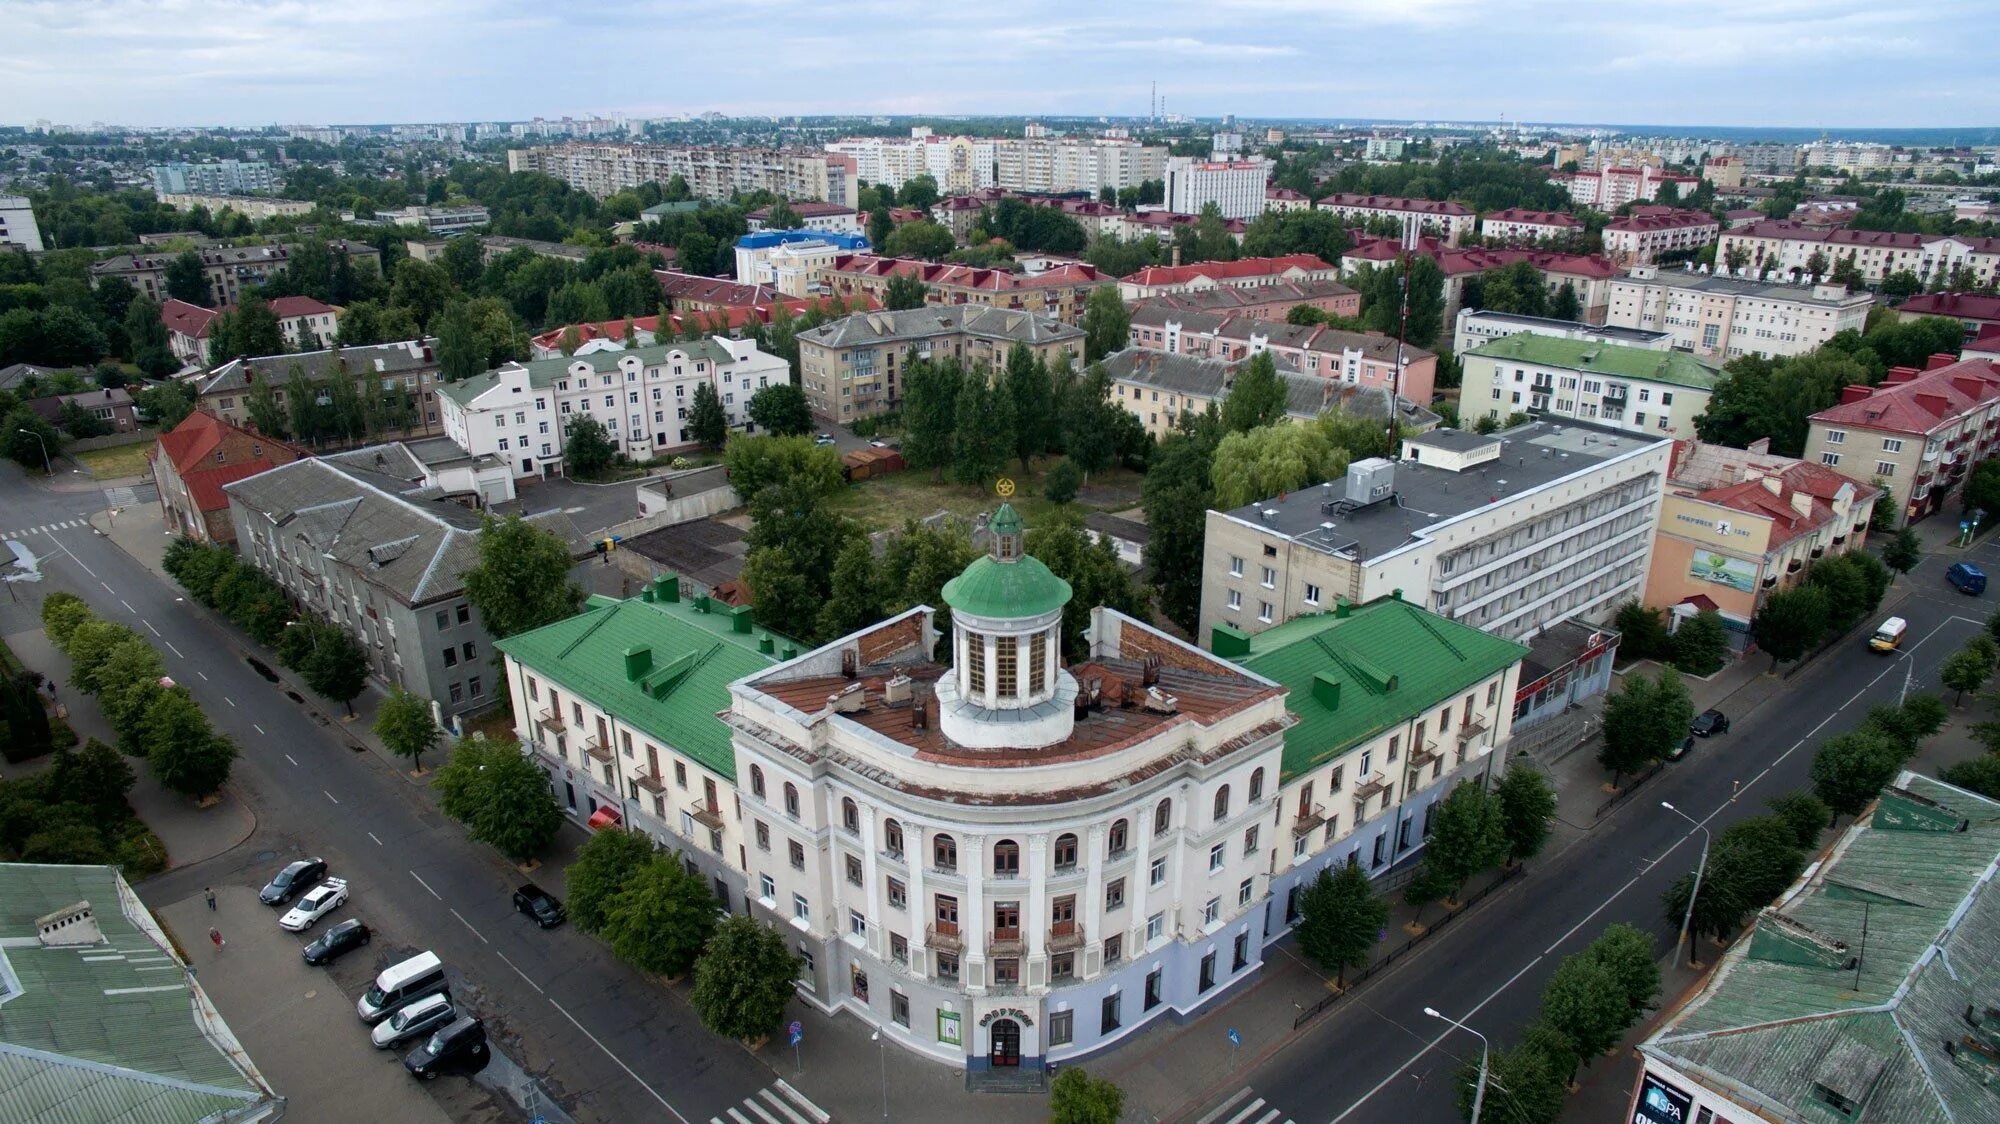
<point x="208" y="895"/>
<point x="216" y="936"/>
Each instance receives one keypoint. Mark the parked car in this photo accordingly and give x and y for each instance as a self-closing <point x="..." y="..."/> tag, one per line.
<point x="337" y="942"/>
<point x="420" y="975"/>
<point x="823" y="439"/>
<point x="1966" y="578"/>
<point x="322" y="900"/>
<point x="412" y="1019"/>
<point x="286" y="884"/>
<point x="540" y="905"/>
<point x="1709" y="723"/>
<point x="458" y="1048"/>
<point x="1682" y="748"/>
<point x="1889" y="637"/>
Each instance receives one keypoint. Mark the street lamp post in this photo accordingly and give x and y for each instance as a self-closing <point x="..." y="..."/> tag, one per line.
<point x="311" y="633"/>
<point x="1687" y="919"/>
<point x="882" y="1049"/>
<point x="1485" y="1053"/>
<point x="48" y="466"/>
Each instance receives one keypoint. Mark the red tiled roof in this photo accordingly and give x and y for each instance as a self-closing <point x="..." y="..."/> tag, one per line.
<point x="1456" y="263"/>
<point x="603" y="329"/>
<point x="205" y="485"/>
<point x="1242" y="267"/>
<point x="1284" y="193"/>
<point x="190" y="442"/>
<point x="1964" y="306"/>
<point x="965" y="276"/>
<point x="1817" y="482"/>
<point x="1394" y="203"/>
<point x="1918" y="404"/>
<point x="1167" y="220"/>
<point x="1661" y="218"/>
<point x="288" y="307"/>
<point x="1541" y="218"/>
<point x="182" y="318"/>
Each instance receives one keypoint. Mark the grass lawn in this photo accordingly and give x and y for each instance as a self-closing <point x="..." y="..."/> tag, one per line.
<point x="117" y="461"/>
<point x="886" y="502"/>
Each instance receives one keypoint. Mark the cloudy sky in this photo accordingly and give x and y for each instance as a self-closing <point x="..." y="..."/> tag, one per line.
<point x="1809" y="63"/>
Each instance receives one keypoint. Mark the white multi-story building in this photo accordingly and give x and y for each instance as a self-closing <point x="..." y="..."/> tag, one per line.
<point x="438" y="220"/>
<point x="1384" y="148"/>
<point x="1787" y="248"/>
<point x="1451" y="221"/>
<point x="17" y="224"/>
<point x="1631" y="389"/>
<point x="1235" y="186"/>
<point x="1064" y="164"/>
<point x="710" y="173"/>
<point x="958" y="164"/>
<point x="1476" y="326"/>
<point x="1724" y="317"/>
<point x="1607" y="189"/>
<point x="222" y="177"/>
<point x="794" y="262"/>
<point x="1517" y="225"/>
<point x="518" y="412"/>
<point x="1650" y="232"/>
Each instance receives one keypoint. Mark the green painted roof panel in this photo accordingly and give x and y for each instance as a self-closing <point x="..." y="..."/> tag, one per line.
<point x="1610" y="359"/>
<point x="1006" y="590"/>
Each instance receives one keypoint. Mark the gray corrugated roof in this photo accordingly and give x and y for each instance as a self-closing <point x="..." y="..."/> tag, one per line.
<point x="1306" y="396"/>
<point x="908" y="325"/>
<point x="543" y="373"/>
<point x="1246" y="329"/>
<point x="407" y="357"/>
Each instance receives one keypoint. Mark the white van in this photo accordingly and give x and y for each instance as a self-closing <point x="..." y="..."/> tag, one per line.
<point x="420" y="975"/>
<point x="1889" y="637"/>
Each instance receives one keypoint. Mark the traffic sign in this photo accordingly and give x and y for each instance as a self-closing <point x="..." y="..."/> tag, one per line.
<point x="1235" y="1039"/>
<point x="797" y="1031"/>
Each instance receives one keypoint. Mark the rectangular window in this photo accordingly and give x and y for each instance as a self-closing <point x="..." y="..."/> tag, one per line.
<point x="768" y="887"/>
<point x="856" y="923"/>
<point x="1892" y="444"/>
<point x="1245" y="891"/>
<point x="1270" y="578"/>
<point x="1250" y="841"/>
<point x="1207" y="972"/>
<point x="798" y="852"/>
<point x="1312" y="594"/>
<point x="899" y="948"/>
<point x="1157" y="876"/>
<point x="1829" y="459"/>
<point x="975" y="663"/>
<point x="1264" y="611"/>
<point x="1216" y="855"/>
<point x="1240" y="959"/>
<point x="1155" y="990"/>
<point x="853" y="865"/>
<point x="763" y="836"/>
<point x="474" y="688"/>
<point x="1235" y="599"/>
<point x="1108" y="1018"/>
<point x="1885" y="468"/>
<point x="1211" y="911"/>
<point x="1114" y="949"/>
<point x="1062" y="1027"/>
<point x="1005" y="670"/>
<point x="1156" y="927"/>
<point x="899" y="897"/>
<point x="1114" y="894"/>
<point x="1235" y="566"/>
<point x="1836" y="436"/>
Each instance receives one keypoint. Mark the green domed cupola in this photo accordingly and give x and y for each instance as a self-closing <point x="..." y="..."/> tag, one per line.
<point x="1007" y="584"/>
<point x="1007" y="688"/>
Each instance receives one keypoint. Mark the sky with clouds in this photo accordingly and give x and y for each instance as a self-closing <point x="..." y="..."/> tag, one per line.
<point x="1806" y="63"/>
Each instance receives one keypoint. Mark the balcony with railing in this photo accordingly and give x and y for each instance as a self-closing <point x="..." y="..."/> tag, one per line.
<point x="944" y="935"/>
<point x="1425" y="754"/>
<point x="650" y="780"/>
<point x="1309" y="819"/>
<point x="705" y="813"/>
<point x="551" y="720"/>
<point x="597" y="749"/>
<point x="1065" y="935"/>
<point x="1473" y="726"/>
<point x="1005" y="940"/>
<point x="1369" y="788"/>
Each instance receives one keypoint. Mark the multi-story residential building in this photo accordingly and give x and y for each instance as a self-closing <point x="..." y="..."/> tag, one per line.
<point x="1384" y="148"/>
<point x="1518" y="225"/>
<point x="1236" y="187"/>
<point x="437" y="220"/>
<point x="794" y="262"/>
<point x="1725" y="172"/>
<point x="1509" y="533"/>
<point x="1631" y="389"/>
<point x="1607" y="189"/>
<point x="1977" y="312"/>
<point x="849" y="367"/>
<point x="1356" y="358"/>
<point x="17" y="224"/>
<point x="1273" y="301"/>
<point x="618" y="705"/>
<point x="403" y="375"/>
<point x="1059" y="293"/>
<point x="1587" y="275"/>
<point x="1875" y="253"/>
<point x="520" y="412"/>
<point x="1060" y="165"/>
<point x="383" y="560"/>
<point x="302" y="321"/>
<point x="1449" y="221"/>
<point x="1160" y="388"/>
<point x="1476" y="326"/>
<point x="819" y="218"/>
<point x="1720" y="317"/>
<point x="1915" y="434"/>
<point x="1284" y="200"/>
<point x="230" y="269"/>
<point x="1861" y="993"/>
<point x="710" y="173"/>
<point x="957" y="164"/>
<point x="257" y="207"/>
<point x="1847" y="157"/>
<point x="1243" y="273"/>
<point x="603" y="335"/>
<point x="221" y="177"/>
<point x="1737" y="526"/>
<point x="1651" y="232"/>
<point x="1006" y="862"/>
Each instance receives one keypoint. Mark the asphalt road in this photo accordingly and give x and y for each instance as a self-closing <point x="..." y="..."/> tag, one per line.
<point x="1377" y="1057"/>
<point x="606" y="1040"/>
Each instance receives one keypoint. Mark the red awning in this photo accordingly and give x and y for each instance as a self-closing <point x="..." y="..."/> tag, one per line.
<point x="603" y="817"/>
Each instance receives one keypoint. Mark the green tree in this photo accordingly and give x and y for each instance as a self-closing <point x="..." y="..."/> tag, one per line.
<point x="1429" y="884"/>
<point x="521" y="580"/>
<point x="1964" y="670"/>
<point x="1904" y="551"/>
<point x="24" y="725"/>
<point x="985" y="437"/>
<point x="1468" y="835"/>
<point x="919" y="192"/>
<point x="461" y="353"/>
<point x="757" y="462"/>
<point x="1791" y="623"/>
<point x="744" y="981"/>
<point x="854" y="596"/>
<point x="661" y="918"/>
<point x="1257" y="398"/>
<point x="1980" y="775"/>
<point x="1030" y="390"/>
<point x="404" y="724"/>
<point x="250" y="330"/>
<point x="62" y="612"/>
<point x="187" y="279"/>
<point x="165" y="405"/>
<point x="1769" y="853"/>
<point x="1566" y="305"/>
<point x="781" y="409"/>
<point x="182" y="751"/>
<point x="424" y="288"/>
<point x="1275" y="458"/>
<point x="1107" y="324"/>
<point x="1851" y="768"/>
<point x="1176" y="496"/>
<point x="337" y="669"/>
<point x="1634" y="735"/>
<point x="1804" y="813"/>
<point x="880" y="224"/>
<point x="1075" y="1097"/>
<point x="930" y="412"/>
<point x="1642" y="630"/>
<point x="1527" y="804"/>
<point x="501" y="797"/>
<point x="1529" y="1082"/>
<point x="1627" y="952"/>
<point x="605" y="864"/>
<point x="1701" y="643"/>
<point x="1091" y="567"/>
<point x="29" y="441"/>
<point x="780" y="216"/>
<point x="1587" y="1003"/>
<point x="1062" y="481"/>
<point x="708" y="423"/>
<point x="905" y="291"/>
<point x="1094" y="426"/>
<point x="587" y="446"/>
<point x="1340" y="919"/>
<point x="95" y="777"/>
<point x="920" y="239"/>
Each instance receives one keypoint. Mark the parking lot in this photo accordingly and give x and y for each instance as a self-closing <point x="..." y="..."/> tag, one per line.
<point x="298" y="1021"/>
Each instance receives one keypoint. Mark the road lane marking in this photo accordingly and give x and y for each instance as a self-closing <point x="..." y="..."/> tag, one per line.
<point x="107" y="587"/>
<point x="331" y="796"/>
<point x="226" y="698"/>
<point x="621" y="1063"/>
<point x="203" y="674"/>
<point x="72" y="556"/>
<point x="288" y="756"/>
<point x="149" y="626"/>
<point x="426" y="885"/>
<point x="525" y="976"/>
<point x="468" y="924"/>
<point x="378" y="842"/>
<point x="128" y="606"/>
<point x="260" y="730"/>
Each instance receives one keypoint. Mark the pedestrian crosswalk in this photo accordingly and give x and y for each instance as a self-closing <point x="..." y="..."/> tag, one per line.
<point x="47" y="528"/>
<point x="1247" y="1108"/>
<point x="778" y="1103"/>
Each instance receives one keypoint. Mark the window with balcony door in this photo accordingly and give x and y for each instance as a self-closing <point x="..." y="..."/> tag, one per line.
<point x="1115" y="839"/>
<point x="944" y="853"/>
<point x="1163" y="817"/>
<point x="1064" y="853"/>
<point x="791" y="800"/>
<point x="1006" y="859"/>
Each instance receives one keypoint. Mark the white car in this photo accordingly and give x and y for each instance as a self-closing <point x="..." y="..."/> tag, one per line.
<point x="416" y="1018"/>
<point x="324" y="899"/>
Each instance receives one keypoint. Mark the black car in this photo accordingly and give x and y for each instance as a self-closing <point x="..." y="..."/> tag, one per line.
<point x="1683" y="749"/>
<point x="458" y="1048"/>
<point x="337" y="942"/>
<point x="292" y="881"/>
<point x="1709" y="722"/>
<point x="540" y="905"/>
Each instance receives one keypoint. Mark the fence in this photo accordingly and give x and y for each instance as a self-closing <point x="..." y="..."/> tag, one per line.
<point x="1638" y="779"/>
<point x="110" y="440"/>
<point x="1306" y="1015"/>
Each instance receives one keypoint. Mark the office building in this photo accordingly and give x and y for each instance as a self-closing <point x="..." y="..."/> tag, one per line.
<point x="849" y="368"/>
<point x="1622" y="388"/>
<point x="1719" y="317"/>
<point x="794" y="262"/>
<point x="1235" y="187"/>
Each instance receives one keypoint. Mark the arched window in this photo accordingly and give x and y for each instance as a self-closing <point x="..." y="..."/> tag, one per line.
<point x="757" y="781"/>
<point x="1115" y="838"/>
<point x="1256" y="785"/>
<point x="1163" y="817"/>
<point x="1006" y="859"/>
<point x="1222" y="803"/>
<point x="892" y="838"/>
<point x="1065" y="852"/>
<point x="791" y="800"/>
<point x="850" y="815"/>
<point x="944" y="853"/>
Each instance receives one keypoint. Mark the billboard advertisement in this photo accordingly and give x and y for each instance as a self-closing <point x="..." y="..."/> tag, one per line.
<point x="1708" y="566"/>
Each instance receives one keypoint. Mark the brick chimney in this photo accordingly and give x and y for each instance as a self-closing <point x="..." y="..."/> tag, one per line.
<point x="1855" y="392"/>
<point x="1899" y="374"/>
<point x="1939" y="359"/>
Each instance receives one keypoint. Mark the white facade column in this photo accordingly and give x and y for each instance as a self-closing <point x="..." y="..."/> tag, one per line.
<point x="1142" y="881"/>
<point x="916" y="855"/>
<point x="973" y="922"/>
<point x="871" y="886"/>
<point x="1035" y="911"/>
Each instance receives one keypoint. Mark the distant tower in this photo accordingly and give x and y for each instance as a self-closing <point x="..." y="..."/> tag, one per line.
<point x="1153" y="104"/>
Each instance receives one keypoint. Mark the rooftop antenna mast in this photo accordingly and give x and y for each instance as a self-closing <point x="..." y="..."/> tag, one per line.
<point x="1412" y="230"/>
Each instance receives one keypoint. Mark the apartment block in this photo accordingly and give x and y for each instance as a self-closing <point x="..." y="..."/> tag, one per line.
<point x="256" y="207"/>
<point x="1059" y="293"/>
<point x="17" y="224"/>
<point x="403" y="375"/>
<point x="1236" y="187"/>
<point x="1720" y="317"/>
<point x="302" y="321"/>
<point x="220" y="177"/>
<point x="230" y="269"/>
<point x="1354" y="358"/>
<point x="1788" y="248"/>
<point x="1916" y="434"/>
<point x="1477" y="326"/>
<point x="1609" y="188"/>
<point x="1160" y="389"/>
<point x="1518" y="225"/>
<point x="1978" y="312"/>
<point x="1270" y="301"/>
<point x="1243" y="273"/>
<point x="1058" y="165"/>
<point x="957" y="164"/>
<point x="1587" y="275"/>
<point x="711" y="173"/>
<point x="850" y="367"/>
<point x="1449" y="221"/>
<point x="1650" y="232"/>
<point x="1622" y="388"/>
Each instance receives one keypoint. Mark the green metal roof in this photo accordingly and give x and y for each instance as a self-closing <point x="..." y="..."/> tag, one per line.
<point x="1591" y="357"/>
<point x="674" y="690"/>
<point x="545" y="373"/>
<point x="1773" y="1021"/>
<point x="1352" y="677"/>
<point x="105" y="1031"/>
<point x="1011" y="590"/>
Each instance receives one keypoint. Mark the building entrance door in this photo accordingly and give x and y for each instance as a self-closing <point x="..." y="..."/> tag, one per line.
<point x="1006" y="1043"/>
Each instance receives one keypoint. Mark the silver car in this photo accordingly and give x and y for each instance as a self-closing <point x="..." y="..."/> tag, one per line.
<point x="418" y="1018"/>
